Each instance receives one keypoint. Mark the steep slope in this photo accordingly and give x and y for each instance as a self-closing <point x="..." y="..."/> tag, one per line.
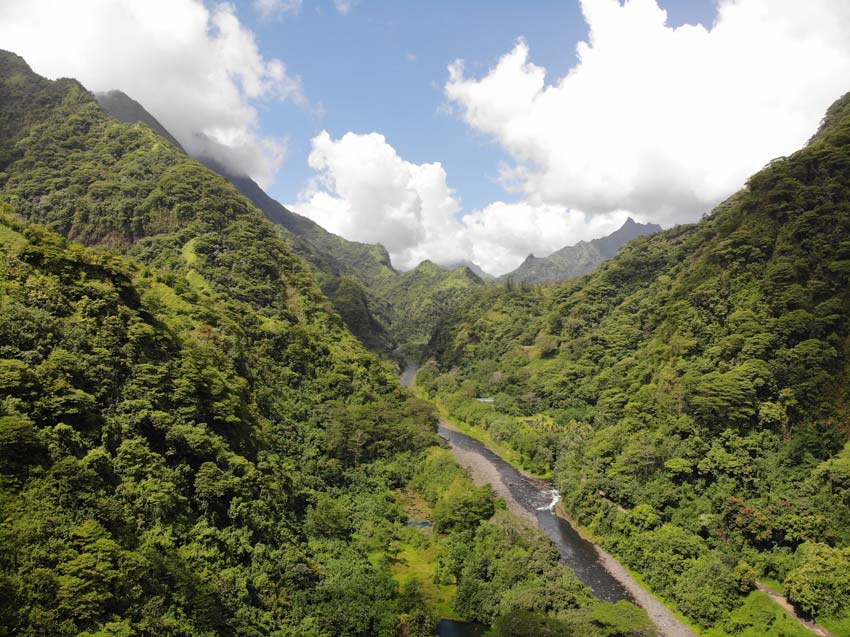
<point x="346" y="270"/>
<point x="583" y="258"/>
<point x="422" y="297"/>
<point x="125" y="109"/>
<point x="692" y="394"/>
<point x="177" y="425"/>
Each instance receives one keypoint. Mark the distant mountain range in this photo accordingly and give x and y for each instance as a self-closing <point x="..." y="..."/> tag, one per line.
<point x="577" y="260"/>
<point x="473" y="267"/>
<point x="389" y="311"/>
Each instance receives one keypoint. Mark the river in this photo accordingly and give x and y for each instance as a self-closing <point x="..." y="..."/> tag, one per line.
<point x="535" y="500"/>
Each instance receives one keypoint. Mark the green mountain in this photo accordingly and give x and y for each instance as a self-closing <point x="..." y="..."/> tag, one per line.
<point x="390" y="312"/>
<point x="583" y="258"/>
<point x="175" y="422"/>
<point x="692" y="393"/>
<point x="191" y="441"/>
<point x="346" y="270"/>
<point x="421" y="298"/>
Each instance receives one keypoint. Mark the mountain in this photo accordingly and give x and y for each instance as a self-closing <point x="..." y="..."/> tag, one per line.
<point x="125" y="109"/>
<point x="390" y="312"/>
<point x="422" y="297"/>
<point x="349" y="272"/>
<point x="192" y="442"/>
<point x="346" y="270"/>
<point x="473" y="267"/>
<point x="691" y="395"/>
<point x="583" y="258"/>
<point x="180" y="408"/>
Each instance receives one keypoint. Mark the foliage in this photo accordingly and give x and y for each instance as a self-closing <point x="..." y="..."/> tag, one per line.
<point x="691" y="394"/>
<point x="170" y="418"/>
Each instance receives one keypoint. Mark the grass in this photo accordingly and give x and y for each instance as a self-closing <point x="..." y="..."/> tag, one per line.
<point x="417" y="557"/>
<point x="838" y="627"/>
<point x="418" y="562"/>
<point x="759" y="616"/>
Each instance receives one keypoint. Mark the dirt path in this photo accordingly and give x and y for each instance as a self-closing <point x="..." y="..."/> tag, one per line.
<point x="786" y="605"/>
<point x="484" y="472"/>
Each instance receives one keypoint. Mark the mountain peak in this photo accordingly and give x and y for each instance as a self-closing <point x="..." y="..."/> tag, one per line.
<point x="124" y="108"/>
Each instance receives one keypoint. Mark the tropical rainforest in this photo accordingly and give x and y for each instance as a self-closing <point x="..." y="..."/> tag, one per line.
<point x="202" y="430"/>
<point x="691" y="396"/>
<point x="191" y="440"/>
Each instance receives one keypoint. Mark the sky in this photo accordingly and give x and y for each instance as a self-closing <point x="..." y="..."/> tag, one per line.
<point x="482" y="130"/>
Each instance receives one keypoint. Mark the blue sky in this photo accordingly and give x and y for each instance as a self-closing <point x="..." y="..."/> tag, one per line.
<point x="525" y="148"/>
<point x="357" y="68"/>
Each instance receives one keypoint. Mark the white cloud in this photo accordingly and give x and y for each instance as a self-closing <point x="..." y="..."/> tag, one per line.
<point x="663" y="122"/>
<point x="344" y="6"/>
<point x="365" y="191"/>
<point x="271" y="8"/>
<point x="197" y="70"/>
<point x="503" y="234"/>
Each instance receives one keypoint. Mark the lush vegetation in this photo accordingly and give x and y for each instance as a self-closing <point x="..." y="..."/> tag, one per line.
<point x="691" y="395"/>
<point x="503" y="571"/>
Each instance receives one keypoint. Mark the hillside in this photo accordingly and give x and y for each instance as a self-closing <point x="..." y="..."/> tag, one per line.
<point x="345" y="270"/>
<point x="691" y="394"/>
<point x="582" y="258"/>
<point x="421" y="298"/>
<point x="169" y="419"/>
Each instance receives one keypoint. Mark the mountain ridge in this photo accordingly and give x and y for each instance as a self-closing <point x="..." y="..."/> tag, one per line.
<point x="691" y="392"/>
<point x="576" y="260"/>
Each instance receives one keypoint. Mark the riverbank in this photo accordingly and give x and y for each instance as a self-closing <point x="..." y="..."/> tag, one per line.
<point x="483" y="472"/>
<point x="662" y="616"/>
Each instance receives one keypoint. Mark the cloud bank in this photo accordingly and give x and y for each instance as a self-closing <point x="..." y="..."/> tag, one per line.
<point x="196" y="69"/>
<point x="662" y="121"/>
<point x="365" y="191"/>
<point x="655" y="122"/>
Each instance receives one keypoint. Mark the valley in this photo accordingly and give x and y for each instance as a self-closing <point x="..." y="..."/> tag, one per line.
<point x="219" y="418"/>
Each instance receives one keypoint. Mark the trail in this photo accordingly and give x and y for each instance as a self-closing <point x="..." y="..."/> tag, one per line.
<point x="789" y="608"/>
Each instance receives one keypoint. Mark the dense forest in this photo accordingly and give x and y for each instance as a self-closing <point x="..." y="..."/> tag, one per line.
<point x="191" y="440"/>
<point x="195" y="438"/>
<point x="691" y="396"/>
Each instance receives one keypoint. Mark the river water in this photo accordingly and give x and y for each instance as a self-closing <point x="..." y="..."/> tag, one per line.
<point x="538" y="498"/>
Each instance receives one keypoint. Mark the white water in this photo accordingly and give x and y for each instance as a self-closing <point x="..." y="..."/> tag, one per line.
<point x="556" y="497"/>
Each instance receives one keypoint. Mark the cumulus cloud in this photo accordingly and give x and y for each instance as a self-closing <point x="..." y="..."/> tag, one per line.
<point x="196" y="69"/>
<point x="366" y="192"/>
<point x="503" y="234"/>
<point x="662" y="121"/>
